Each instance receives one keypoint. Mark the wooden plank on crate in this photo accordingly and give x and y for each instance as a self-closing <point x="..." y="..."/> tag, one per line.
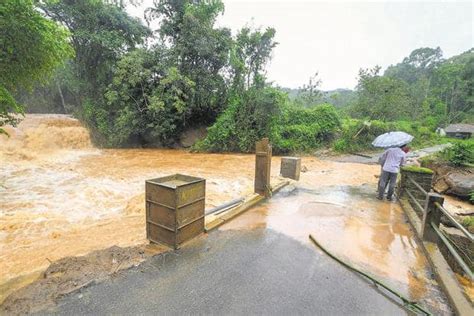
<point x="213" y="221"/>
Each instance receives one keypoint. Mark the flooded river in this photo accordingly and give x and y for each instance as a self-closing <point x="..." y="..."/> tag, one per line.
<point x="60" y="196"/>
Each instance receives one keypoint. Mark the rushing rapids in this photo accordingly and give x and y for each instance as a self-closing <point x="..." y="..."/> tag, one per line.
<point x="60" y="197"/>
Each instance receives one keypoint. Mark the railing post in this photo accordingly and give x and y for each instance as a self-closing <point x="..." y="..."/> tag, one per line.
<point x="401" y="184"/>
<point x="431" y="214"/>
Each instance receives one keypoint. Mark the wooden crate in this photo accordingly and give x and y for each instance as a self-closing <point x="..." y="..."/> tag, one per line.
<point x="174" y="209"/>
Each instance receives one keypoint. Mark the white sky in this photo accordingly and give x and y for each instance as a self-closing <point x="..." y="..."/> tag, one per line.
<point x="337" y="38"/>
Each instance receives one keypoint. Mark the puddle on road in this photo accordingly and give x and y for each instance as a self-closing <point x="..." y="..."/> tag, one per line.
<point x="352" y="224"/>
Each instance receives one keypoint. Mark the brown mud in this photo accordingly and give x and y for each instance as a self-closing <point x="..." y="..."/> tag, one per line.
<point x="72" y="273"/>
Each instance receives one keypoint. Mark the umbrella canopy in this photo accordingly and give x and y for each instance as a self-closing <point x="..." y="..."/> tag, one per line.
<point x="392" y="139"/>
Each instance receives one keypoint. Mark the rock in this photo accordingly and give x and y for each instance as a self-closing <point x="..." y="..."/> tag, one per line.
<point x="460" y="183"/>
<point x="451" y="180"/>
<point x="440" y="185"/>
<point x="304" y="169"/>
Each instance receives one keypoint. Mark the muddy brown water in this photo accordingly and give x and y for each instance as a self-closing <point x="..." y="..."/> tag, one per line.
<point x="62" y="197"/>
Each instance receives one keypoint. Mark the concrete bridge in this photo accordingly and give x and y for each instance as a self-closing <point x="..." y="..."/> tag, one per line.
<point x="263" y="263"/>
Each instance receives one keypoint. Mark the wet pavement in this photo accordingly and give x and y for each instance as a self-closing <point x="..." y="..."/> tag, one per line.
<point x="234" y="272"/>
<point x="262" y="262"/>
<point x="348" y="221"/>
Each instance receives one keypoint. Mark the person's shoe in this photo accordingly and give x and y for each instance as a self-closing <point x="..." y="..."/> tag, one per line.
<point x="379" y="198"/>
<point x="390" y="198"/>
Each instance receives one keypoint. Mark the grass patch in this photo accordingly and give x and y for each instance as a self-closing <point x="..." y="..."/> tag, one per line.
<point x="468" y="222"/>
<point x="417" y="169"/>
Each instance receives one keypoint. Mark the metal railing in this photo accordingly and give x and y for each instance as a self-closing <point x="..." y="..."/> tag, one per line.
<point x="431" y="213"/>
<point x="419" y="209"/>
<point x="415" y="201"/>
<point x="454" y="221"/>
<point x="452" y="250"/>
<point x="419" y="187"/>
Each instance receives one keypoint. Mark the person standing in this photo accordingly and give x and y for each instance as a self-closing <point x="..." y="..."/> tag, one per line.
<point x="391" y="161"/>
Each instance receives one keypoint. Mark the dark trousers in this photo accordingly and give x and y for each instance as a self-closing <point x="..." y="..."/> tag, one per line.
<point x="389" y="178"/>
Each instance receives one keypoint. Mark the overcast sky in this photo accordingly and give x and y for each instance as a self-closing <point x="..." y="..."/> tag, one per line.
<point x="337" y="38"/>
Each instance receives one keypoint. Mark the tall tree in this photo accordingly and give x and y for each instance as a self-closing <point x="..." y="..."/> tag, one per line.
<point x="381" y="97"/>
<point x="100" y="34"/>
<point x="198" y="49"/>
<point x="249" y="56"/>
<point x="309" y="94"/>
<point x="452" y="84"/>
<point x="31" y="47"/>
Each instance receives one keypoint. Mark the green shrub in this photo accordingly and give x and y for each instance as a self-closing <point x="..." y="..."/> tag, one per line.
<point x="357" y="135"/>
<point x="250" y="116"/>
<point x="460" y="153"/>
<point x="302" y="129"/>
<point x="265" y="113"/>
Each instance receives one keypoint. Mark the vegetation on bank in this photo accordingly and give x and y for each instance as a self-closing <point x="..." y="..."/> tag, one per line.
<point x="31" y="47"/>
<point x="417" y="169"/>
<point x="460" y="154"/>
<point x="136" y="86"/>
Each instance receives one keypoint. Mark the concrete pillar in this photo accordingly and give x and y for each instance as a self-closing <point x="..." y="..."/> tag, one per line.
<point x="431" y="214"/>
<point x="290" y="167"/>
<point x="263" y="160"/>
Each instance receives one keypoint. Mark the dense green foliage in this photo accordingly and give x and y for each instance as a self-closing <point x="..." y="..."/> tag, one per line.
<point x="145" y="103"/>
<point x="381" y="97"/>
<point x="460" y="153"/>
<point x="358" y="135"/>
<point x="31" y="47"/>
<point x="439" y="90"/>
<point x="249" y="117"/>
<point x="302" y="129"/>
<point x="266" y="113"/>
<point x="100" y="34"/>
<point x="134" y="86"/>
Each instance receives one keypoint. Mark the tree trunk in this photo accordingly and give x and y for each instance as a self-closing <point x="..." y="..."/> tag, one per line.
<point x="63" y="105"/>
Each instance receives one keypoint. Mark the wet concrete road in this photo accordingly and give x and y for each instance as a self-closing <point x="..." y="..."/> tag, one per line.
<point x="234" y="272"/>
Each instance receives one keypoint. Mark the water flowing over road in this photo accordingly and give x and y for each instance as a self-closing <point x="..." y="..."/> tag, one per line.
<point x="61" y="197"/>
